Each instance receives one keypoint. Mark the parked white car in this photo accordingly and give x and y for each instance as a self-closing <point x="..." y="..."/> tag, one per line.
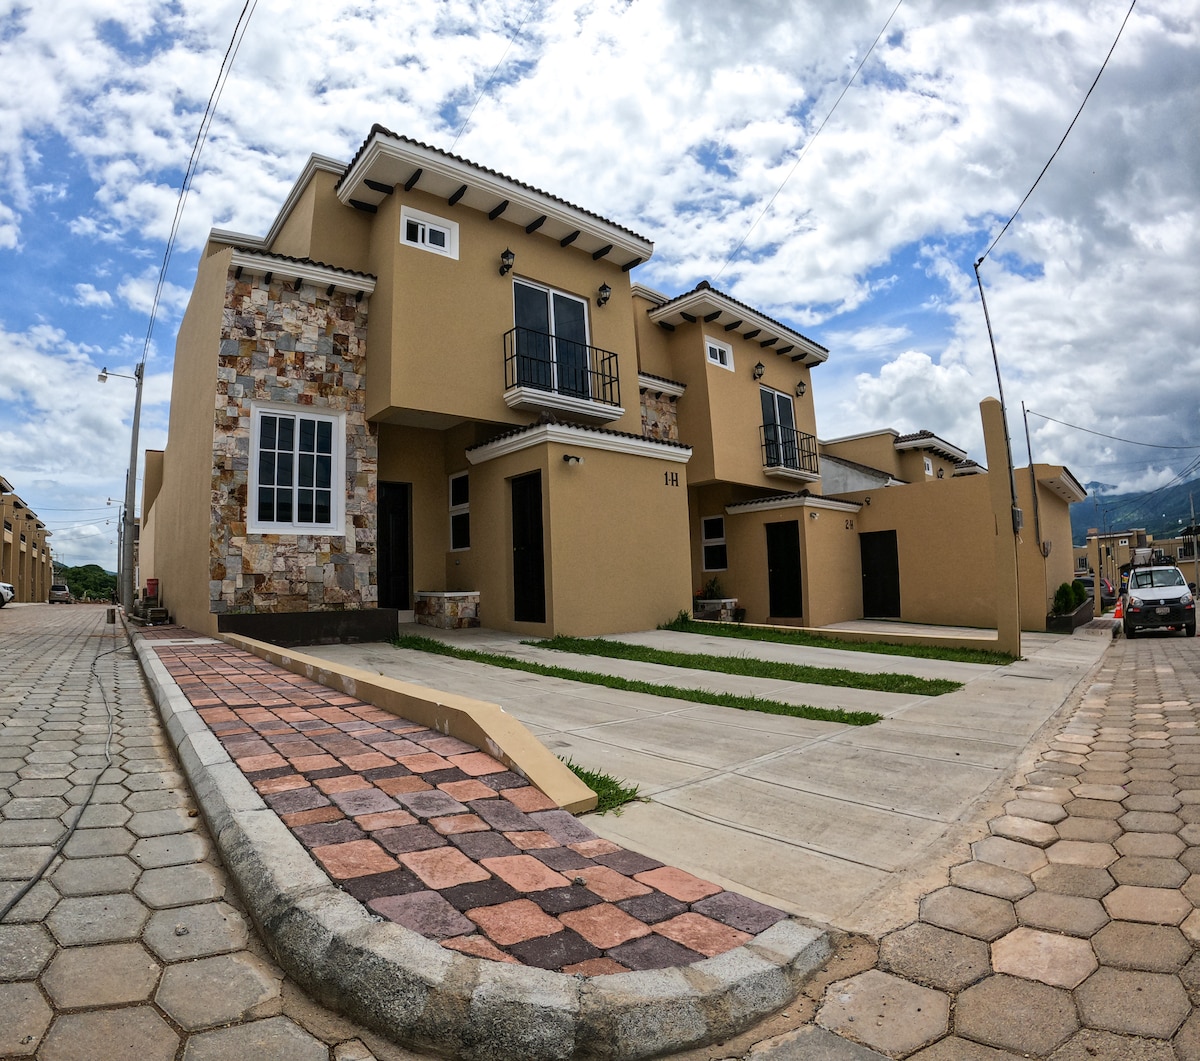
<point x="1159" y="597"/>
<point x="6" y="593"/>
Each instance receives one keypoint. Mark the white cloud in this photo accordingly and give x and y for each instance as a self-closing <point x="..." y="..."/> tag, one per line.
<point x="88" y="295"/>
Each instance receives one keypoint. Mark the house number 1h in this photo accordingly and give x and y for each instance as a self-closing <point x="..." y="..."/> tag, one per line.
<point x="670" y="478"/>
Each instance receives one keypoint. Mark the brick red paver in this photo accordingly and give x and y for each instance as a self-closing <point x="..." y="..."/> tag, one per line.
<point x="442" y="838"/>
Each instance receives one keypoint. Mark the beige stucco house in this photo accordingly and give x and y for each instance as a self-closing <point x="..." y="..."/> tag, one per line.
<point x="25" y="560"/>
<point x="432" y="389"/>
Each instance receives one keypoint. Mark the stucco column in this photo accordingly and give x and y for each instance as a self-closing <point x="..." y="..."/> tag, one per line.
<point x="1097" y="562"/>
<point x="1008" y="599"/>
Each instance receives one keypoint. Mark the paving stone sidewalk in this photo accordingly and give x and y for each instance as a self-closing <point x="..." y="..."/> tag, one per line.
<point x="432" y="833"/>
<point x="1071" y="932"/>
<point x="133" y="944"/>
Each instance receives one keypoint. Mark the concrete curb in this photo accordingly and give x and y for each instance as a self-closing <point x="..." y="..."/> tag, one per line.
<point x="422" y="995"/>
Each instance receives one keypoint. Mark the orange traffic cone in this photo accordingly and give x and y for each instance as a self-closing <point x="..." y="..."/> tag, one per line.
<point x="1117" y="613"/>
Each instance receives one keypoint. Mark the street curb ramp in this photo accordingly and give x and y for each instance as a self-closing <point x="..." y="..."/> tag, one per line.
<point x="420" y="994"/>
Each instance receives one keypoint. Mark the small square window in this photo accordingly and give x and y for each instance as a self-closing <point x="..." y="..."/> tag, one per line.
<point x="712" y="533"/>
<point x="719" y="353"/>
<point x="428" y="232"/>
<point x="928" y="466"/>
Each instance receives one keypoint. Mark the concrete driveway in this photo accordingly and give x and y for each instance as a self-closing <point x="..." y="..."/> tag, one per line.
<point x="836" y="823"/>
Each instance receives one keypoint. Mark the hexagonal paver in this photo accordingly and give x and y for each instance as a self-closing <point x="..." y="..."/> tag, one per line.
<point x="1151" y="845"/>
<point x="1093" y="830"/>
<point x="1149" y="872"/>
<point x="134" y="1031"/>
<point x="26" y="1018"/>
<point x="1008" y="853"/>
<point x="885" y="1013"/>
<point x="985" y="1013"/>
<point x="273" y="1039"/>
<point x="195" y="882"/>
<point x="24" y="951"/>
<point x="969" y="913"/>
<point x="195" y="931"/>
<point x="932" y="956"/>
<point x="95" y="876"/>
<point x="1064" y="879"/>
<point x="99" y="815"/>
<point x="219" y="990"/>
<point x="1133" y="1003"/>
<point x="1023" y="830"/>
<point x="1036" y="809"/>
<point x="97" y="919"/>
<point x="36" y="807"/>
<point x="106" y="975"/>
<point x="1162" y="906"/>
<point x="991" y="880"/>
<point x="1153" y="948"/>
<point x="1060" y="961"/>
<point x="91" y="843"/>
<point x="1081" y="853"/>
<point x="161" y="822"/>
<point x="1073" y="915"/>
<point x="154" y="852"/>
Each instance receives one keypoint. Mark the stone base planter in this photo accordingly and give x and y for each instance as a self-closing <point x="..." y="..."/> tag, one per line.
<point x="720" y="608"/>
<point x="455" y="610"/>
<point x="1071" y="621"/>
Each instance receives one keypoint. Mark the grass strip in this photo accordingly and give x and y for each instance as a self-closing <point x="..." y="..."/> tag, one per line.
<point x="685" y="625"/>
<point x="610" y="681"/>
<point x="611" y="794"/>
<point x="748" y="667"/>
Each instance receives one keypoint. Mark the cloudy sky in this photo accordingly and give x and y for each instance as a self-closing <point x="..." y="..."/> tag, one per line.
<point x="692" y="122"/>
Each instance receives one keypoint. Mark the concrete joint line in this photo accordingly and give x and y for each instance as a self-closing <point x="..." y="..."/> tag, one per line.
<point x="420" y="994"/>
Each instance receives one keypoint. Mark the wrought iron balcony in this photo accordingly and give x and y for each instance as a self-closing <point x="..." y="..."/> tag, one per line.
<point x="543" y="371"/>
<point x="789" y="453"/>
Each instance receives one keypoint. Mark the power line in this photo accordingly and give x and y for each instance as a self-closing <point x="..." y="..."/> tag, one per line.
<point x="235" y="43"/>
<point x="1062" y="141"/>
<point x="492" y="76"/>
<point x="811" y="141"/>
<point x="1114" y="438"/>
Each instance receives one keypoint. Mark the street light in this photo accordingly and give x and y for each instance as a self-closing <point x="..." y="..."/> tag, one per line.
<point x="130" y="486"/>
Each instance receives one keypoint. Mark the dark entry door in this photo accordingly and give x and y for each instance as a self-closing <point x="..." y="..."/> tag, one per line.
<point x="394" y="542"/>
<point x="880" y="575"/>
<point x="783" y="569"/>
<point x="529" y="569"/>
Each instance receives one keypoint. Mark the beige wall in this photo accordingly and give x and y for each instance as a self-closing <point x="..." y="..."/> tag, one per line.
<point x="321" y="228"/>
<point x="720" y="414"/>
<point x="438" y="324"/>
<point x="179" y="517"/>
<point x="877" y="450"/>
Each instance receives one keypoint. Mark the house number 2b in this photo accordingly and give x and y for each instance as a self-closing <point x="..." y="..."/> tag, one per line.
<point x="670" y="478"/>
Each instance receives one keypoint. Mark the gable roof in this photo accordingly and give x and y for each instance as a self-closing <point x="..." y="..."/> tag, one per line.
<point x="387" y="160"/>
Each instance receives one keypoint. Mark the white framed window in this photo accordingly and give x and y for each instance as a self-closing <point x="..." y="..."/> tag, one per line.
<point x="1122" y="541"/>
<point x="928" y="466"/>
<point x="780" y="441"/>
<point x="712" y="535"/>
<point x="718" y="353"/>
<point x="429" y="232"/>
<point x="297" y="471"/>
<point x="460" y="512"/>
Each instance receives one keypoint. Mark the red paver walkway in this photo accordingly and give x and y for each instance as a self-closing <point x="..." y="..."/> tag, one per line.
<point x="434" y="834"/>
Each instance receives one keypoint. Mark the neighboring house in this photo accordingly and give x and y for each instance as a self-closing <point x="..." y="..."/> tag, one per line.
<point x="25" y="560"/>
<point x="433" y="389"/>
<point x="1117" y="550"/>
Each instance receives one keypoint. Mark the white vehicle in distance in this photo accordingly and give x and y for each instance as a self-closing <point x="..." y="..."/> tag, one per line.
<point x="1159" y="597"/>
<point x="6" y="593"/>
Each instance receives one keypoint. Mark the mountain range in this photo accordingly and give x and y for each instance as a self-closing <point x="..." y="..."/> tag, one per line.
<point x="1162" y="513"/>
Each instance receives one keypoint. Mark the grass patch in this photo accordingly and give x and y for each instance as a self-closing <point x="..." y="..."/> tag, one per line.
<point x="611" y="794"/>
<point x="686" y="625"/>
<point x="697" y="696"/>
<point x="753" y="668"/>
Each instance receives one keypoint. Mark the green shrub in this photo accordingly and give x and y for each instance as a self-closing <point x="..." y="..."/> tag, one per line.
<point x="1064" y="599"/>
<point x="1079" y="592"/>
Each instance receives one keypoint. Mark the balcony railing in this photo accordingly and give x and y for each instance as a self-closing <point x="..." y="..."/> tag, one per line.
<point x="785" y="450"/>
<point x="562" y="368"/>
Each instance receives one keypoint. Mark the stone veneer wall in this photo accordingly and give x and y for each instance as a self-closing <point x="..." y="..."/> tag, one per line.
<point x="306" y="347"/>
<point x="659" y="419"/>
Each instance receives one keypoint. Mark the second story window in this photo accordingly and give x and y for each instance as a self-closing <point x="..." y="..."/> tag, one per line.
<point x="428" y="232"/>
<point x="779" y="430"/>
<point x="552" y="340"/>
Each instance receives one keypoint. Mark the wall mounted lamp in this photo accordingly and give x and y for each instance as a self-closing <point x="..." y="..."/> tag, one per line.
<point x="801" y="388"/>
<point x="812" y="515"/>
<point x="506" y="261"/>
<point x="603" y="295"/>
<point x="866" y="500"/>
<point x="571" y="458"/>
<point x="759" y="369"/>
